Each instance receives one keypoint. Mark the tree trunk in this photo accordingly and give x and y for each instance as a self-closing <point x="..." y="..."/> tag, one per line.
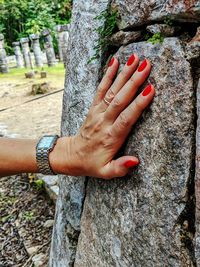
<point x="148" y="217"/>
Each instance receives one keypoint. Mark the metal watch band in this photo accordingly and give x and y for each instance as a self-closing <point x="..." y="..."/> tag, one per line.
<point x="42" y="155"/>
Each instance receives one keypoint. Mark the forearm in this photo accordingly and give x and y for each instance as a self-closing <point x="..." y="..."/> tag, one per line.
<point x="19" y="156"/>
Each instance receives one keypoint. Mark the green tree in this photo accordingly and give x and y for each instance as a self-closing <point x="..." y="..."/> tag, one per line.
<point x="19" y="18"/>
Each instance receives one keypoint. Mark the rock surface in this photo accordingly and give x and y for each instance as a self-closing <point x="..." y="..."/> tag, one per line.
<point x="39" y="260"/>
<point x="197" y="181"/>
<point x="143" y="220"/>
<point x="142" y="12"/>
<point x="49" y="223"/>
<point x="192" y="48"/>
<point x="80" y="86"/>
<point x="163" y="29"/>
<point x="124" y="38"/>
<point x="196" y="38"/>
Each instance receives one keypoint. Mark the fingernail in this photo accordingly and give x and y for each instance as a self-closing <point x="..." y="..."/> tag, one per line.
<point x="131" y="163"/>
<point x="142" y="66"/>
<point x="147" y="90"/>
<point x="130" y="60"/>
<point x="111" y="62"/>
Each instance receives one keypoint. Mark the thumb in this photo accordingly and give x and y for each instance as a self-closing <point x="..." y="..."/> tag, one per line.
<point x="120" y="166"/>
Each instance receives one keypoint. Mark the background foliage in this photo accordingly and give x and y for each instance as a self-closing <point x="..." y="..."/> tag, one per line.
<point x="19" y="18"/>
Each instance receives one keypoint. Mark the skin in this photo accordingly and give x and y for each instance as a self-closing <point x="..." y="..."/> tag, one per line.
<point x="91" y="151"/>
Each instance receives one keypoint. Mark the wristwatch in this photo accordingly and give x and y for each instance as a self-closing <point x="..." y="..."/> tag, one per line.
<point x="43" y="148"/>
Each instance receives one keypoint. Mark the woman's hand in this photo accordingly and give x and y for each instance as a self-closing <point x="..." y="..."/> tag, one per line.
<point x="109" y="121"/>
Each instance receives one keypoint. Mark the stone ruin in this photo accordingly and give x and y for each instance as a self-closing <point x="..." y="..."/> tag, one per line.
<point x="48" y="44"/>
<point x="18" y="54"/>
<point x="151" y="217"/>
<point x="3" y="59"/>
<point x="26" y="51"/>
<point x="25" y="58"/>
<point x="62" y="37"/>
<point x="35" y="39"/>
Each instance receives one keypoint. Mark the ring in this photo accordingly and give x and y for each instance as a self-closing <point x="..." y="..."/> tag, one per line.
<point x="106" y="101"/>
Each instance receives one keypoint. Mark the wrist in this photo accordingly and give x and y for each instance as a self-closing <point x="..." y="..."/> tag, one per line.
<point x="59" y="157"/>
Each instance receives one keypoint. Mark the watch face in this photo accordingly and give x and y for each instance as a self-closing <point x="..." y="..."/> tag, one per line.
<point x="46" y="142"/>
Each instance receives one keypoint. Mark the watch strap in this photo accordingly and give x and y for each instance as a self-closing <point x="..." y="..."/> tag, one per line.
<point x="42" y="156"/>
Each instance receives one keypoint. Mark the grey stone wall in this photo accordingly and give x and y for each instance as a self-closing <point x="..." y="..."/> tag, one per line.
<point x="148" y="217"/>
<point x="3" y="59"/>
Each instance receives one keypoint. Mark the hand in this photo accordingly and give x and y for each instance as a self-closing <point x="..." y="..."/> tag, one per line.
<point x="109" y="121"/>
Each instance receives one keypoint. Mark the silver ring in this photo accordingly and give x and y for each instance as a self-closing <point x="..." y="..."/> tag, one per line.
<point x="106" y="101"/>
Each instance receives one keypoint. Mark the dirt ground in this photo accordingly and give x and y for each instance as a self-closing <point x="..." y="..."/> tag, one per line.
<point x="26" y="223"/>
<point x="33" y="119"/>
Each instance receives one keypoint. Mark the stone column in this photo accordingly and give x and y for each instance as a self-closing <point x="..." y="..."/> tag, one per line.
<point x="51" y="59"/>
<point x="18" y="54"/>
<point x="26" y="51"/>
<point x="36" y="49"/>
<point x="64" y="46"/>
<point x="62" y="37"/>
<point x="3" y="59"/>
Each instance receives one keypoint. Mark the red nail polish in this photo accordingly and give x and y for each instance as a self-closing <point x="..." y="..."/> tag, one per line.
<point x="142" y="66"/>
<point x="130" y="60"/>
<point x="131" y="163"/>
<point x="147" y="90"/>
<point x="111" y="62"/>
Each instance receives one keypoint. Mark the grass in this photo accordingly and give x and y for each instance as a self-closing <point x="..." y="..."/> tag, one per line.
<point x="15" y="80"/>
<point x="59" y="70"/>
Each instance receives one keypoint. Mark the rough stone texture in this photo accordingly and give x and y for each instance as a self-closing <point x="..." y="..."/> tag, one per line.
<point x="165" y="30"/>
<point x="26" y="51"/>
<point x="80" y="85"/>
<point x="35" y="39"/>
<point x="62" y="37"/>
<point x="50" y="179"/>
<point x="48" y="44"/>
<point x="3" y="59"/>
<point x="142" y="219"/>
<point x="18" y="54"/>
<point x="197" y="181"/>
<point x="123" y="38"/>
<point x="141" y="12"/>
<point x="49" y="223"/>
<point x="52" y="191"/>
<point x="39" y="260"/>
<point x="196" y="38"/>
<point x="193" y="47"/>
